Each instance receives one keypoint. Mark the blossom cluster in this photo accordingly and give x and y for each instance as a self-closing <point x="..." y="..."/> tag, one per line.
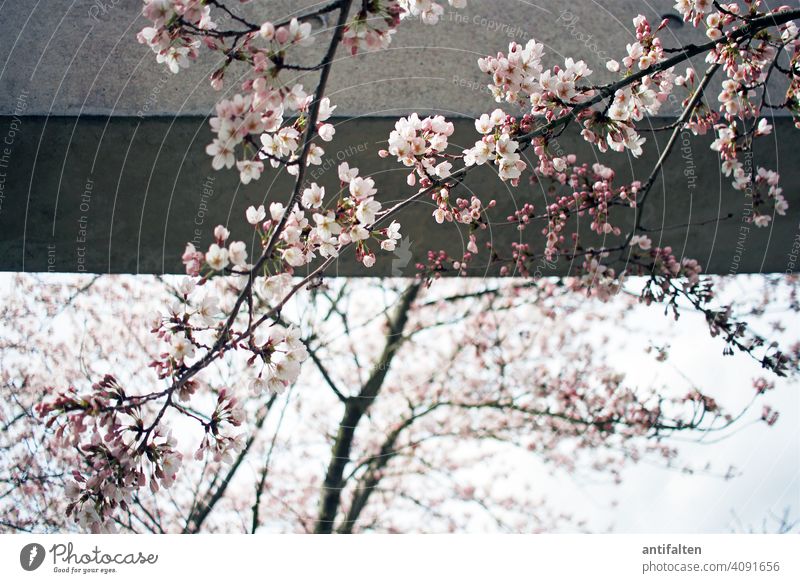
<point x="631" y="103"/>
<point x="218" y="442"/>
<point x="176" y="23"/>
<point x="233" y="290"/>
<point x="375" y="23"/>
<point x="498" y="146"/>
<point x="350" y="221"/>
<point x="736" y="123"/>
<point x="222" y="256"/>
<point x="281" y="353"/>
<point x="259" y="112"/>
<point x="591" y="191"/>
<point x="244" y="120"/>
<point x="419" y="144"/>
<point x="117" y="462"/>
<point x="174" y="46"/>
<point x="179" y="26"/>
<point x="608" y="116"/>
<point x="693" y="10"/>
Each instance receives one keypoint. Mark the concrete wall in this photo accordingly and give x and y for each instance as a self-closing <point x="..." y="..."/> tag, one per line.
<point x="75" y="57"/>
<point x="102" y="165"/>
<point x="118" y="194"/>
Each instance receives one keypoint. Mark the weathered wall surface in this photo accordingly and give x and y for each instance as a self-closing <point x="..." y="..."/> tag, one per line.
<point x="102" y="163"/>
<point x="120" y="194"/>
<point x="75" y="57"/>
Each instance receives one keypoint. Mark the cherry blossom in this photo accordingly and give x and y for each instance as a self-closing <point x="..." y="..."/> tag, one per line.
<point x="235" y="308"/>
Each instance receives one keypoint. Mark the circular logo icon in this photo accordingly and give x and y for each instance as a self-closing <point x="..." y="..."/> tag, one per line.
<point x="31" y="556"/>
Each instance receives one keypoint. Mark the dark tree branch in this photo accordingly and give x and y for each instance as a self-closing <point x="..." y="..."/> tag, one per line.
<point x="262" y="481"/>
<point x="355" y="409"/>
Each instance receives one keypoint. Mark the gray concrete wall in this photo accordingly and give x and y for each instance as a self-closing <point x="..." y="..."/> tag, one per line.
<point x="115" y="194"/>
<point x="75" y="57"/>
<point x="103" y="167"/>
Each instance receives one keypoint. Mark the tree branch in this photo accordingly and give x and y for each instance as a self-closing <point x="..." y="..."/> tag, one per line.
<point x="194" y="523"/>
<point x="354" y="410"/>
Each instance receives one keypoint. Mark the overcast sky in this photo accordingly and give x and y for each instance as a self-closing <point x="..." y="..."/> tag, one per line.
<point x="652" y="498"/>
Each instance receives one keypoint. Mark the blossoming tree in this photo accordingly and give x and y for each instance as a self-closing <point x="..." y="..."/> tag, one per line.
<point x="241" y="329"/>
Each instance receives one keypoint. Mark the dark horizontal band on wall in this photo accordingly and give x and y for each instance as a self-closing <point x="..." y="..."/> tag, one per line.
<point x="125" y="194"/>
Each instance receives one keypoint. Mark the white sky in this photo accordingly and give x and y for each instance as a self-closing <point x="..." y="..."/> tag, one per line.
<point x="654" y="499"/>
